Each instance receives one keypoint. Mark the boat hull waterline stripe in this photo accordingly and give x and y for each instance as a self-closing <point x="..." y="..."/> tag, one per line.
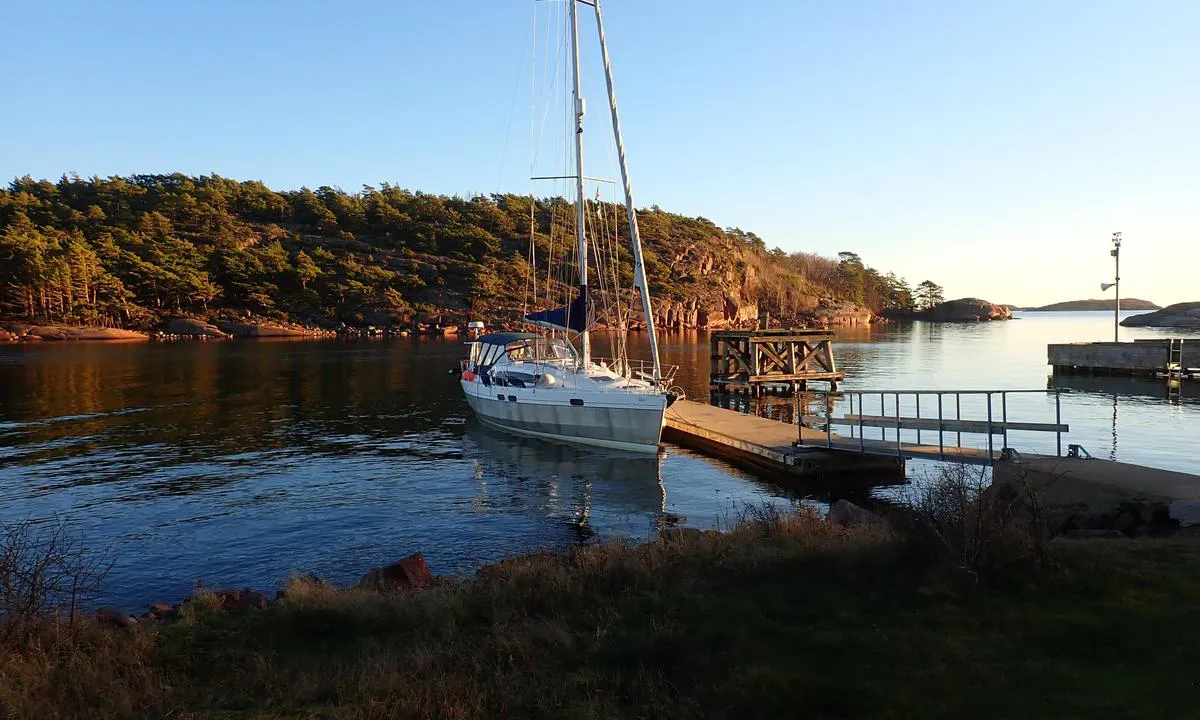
<point x="627" y="428"/>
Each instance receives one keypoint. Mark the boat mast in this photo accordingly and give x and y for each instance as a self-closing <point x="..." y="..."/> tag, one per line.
<point x="584" y="340"/>
<point x="639" y="267"/>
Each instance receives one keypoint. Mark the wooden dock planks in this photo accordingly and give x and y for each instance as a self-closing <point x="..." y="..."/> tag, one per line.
<point x="770" y="444"/>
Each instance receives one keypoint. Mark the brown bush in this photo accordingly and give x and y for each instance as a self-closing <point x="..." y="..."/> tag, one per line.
<point x="959" y="519"/>
<point x="47" y="572"/>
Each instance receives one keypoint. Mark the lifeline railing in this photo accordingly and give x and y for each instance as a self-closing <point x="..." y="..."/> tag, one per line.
<point x="642" y="369"/>
<point x="942" y="424"/>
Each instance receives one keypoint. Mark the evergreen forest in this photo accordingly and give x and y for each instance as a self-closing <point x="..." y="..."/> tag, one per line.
<point x="132" y="251"/>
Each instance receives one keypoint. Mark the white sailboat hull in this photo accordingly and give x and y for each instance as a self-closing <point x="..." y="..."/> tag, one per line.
<point x="623" y="421"/>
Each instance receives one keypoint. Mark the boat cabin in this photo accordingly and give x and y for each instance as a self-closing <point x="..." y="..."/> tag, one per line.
<point x="519" y="359"/>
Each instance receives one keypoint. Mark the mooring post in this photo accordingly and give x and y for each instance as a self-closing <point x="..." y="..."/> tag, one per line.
<point x="898" y="424"/>
<point x="1058" y="419"/>
<point x="989" y="404"/>
<point x="958" y="417"/>
<point x="862" y="442"/>
<point x="941" y="448"/>
<point x="1004" y="415"/>
<point x="918" y="396"/>
<point x="852" y="414"/>
<point x="828" y="420"/>
<point x="882" y="413"/>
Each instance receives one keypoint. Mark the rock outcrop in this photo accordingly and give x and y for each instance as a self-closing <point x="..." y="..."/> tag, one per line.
<point x="1179" y="315"/>
<point x="961" y="310"/>
<point x="969" y="310"/>
<point x="265" y="330"/>
<point x="839" y="313"/>
<point x="191" y="327"/>
<point x="67" y="332"/>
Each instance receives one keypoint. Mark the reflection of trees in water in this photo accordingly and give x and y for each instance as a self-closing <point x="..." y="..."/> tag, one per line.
<point x="562" y="480"/>
<point x="112" y="412"/>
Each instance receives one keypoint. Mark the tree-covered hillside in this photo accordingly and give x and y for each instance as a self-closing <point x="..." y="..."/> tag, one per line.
<point x="130" y="251"/>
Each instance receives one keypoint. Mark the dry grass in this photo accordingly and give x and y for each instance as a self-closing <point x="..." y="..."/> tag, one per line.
<point x="783" y="616"/>
<point x="46" y="570"/>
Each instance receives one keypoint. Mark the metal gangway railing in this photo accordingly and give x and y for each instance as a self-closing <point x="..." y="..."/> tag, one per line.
<point x="946" y="424"/>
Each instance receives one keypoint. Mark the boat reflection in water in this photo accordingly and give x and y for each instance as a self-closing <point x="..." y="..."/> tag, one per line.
<point x="595" y="491"/>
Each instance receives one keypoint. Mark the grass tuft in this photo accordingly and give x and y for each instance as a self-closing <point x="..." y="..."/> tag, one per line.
<point x="786" y="615"/>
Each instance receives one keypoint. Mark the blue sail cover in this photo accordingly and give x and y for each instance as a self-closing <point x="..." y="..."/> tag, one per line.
<point x="578" y="316"/>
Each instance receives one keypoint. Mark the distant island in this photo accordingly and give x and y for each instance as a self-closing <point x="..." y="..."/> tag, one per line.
<point x="961" y="310"/>
<point x="1126" y="304"/>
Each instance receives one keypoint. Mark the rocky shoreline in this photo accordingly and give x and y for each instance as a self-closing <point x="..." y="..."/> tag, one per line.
<point x="790" y="599"/>
<point x="827" y="313"/>
<point x="1127" y="519"/>
<point x="1179" y="315"/>
<point x="730" y="313"/>
<point x="53" y="333"/>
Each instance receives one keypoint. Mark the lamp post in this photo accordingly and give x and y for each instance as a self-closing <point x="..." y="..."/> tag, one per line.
<point x="1116" y="254"/>
<point x="1116" y="284"/>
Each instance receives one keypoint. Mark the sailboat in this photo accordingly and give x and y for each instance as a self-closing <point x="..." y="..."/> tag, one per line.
<point x="546" y="387"/>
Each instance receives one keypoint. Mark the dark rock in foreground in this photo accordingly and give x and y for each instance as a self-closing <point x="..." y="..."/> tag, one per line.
<point x="846" y="514"/>
<point x="408" y="574"/>
<point x="1180" y="315"/>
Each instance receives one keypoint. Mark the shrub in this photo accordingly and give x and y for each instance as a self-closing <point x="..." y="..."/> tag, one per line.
<point x="959" y="519"/>
<point x="46" y="572"/>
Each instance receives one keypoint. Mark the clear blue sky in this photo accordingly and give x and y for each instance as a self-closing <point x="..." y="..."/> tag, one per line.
<point x="990" y="146"/>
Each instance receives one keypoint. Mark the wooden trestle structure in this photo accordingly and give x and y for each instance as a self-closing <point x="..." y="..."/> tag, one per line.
<point x="780" y="360"/>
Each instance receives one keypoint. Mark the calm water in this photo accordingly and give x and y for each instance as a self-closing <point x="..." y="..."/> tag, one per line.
<point x="238" y="463"/>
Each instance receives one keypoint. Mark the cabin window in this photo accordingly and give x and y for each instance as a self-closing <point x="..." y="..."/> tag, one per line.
<point x="512" y="398"/>
<point x="576" y="401"/>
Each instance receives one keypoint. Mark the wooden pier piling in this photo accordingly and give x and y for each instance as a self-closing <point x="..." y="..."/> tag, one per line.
<point x="775" y="361"/>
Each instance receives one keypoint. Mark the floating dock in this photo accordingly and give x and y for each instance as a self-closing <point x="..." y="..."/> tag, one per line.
<point x="770" y="445"/>
<point x="805" y="450"/>
<point x="1169" y="358"/>
<point x="802" y="452"/>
